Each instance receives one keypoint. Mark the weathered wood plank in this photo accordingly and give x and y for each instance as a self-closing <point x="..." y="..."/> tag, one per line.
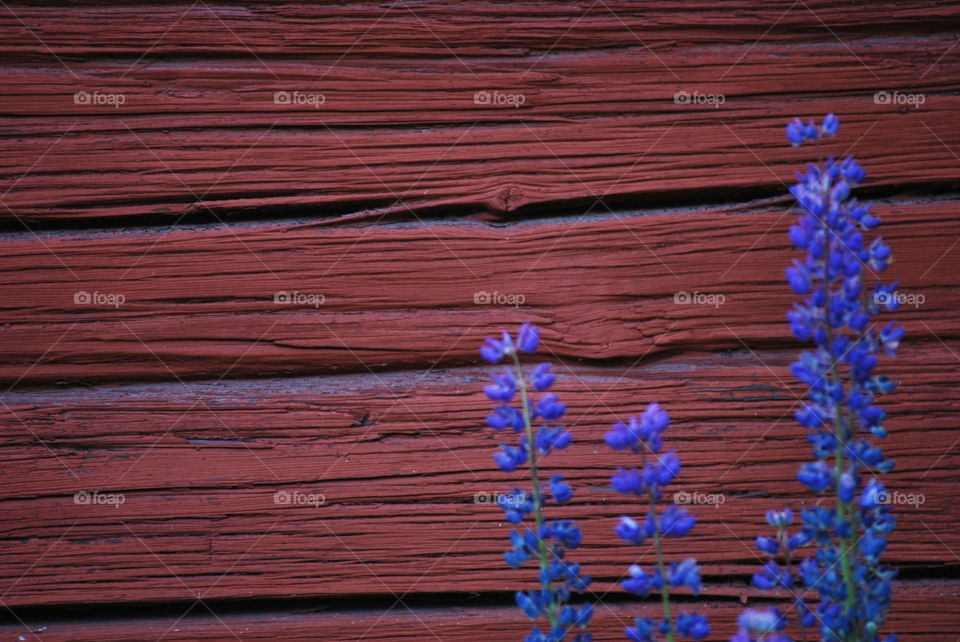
<point x="201" y="138"/>
<point x="911" y="617"/>
<point x="201" y="303"/>
<point x="193" y="135"/>
<point x="199" y="467"/>
<point x="428" y="28"/>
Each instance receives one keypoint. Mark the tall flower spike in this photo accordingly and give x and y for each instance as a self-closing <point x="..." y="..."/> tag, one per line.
<point x="849" y="525"/>
<point x="546" y="542"/>
<point x="645" y="436"/>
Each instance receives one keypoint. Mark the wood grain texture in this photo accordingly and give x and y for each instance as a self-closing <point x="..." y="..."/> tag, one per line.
<point x="200" y="464"/>
<point x="201" y="303"/>
<point x="399" y="133"/>
<point x="398" y="199"/>
<point x="911" y="617"/>
<point x="419" y="29"/>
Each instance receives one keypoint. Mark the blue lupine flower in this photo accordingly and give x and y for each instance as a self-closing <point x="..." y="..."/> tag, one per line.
<point x="493" y="350"/>
<point x="816" y="476"/>
<point x="525" y="546"/>
<point x="528" y="338"/>
<point x="799" y="278"/>
<point x="633" y="533"/>
<point x="628" y="482"/>
<point x="685" y="573"/>
<point x="796" y="132"/>
<point x="847" y="487"/>
<point x="541" y="377"/>
<point x="550" y="408"/>
<point x="830" y="124"/>
<point x="768" y="545"/>
<point x="504" y="416"/>
<point x="620" y="437"/>
<point x="511" y="457"/>
<point x="560" y="490"/>
<point x="640" y="582"/>
<point x="516" y="506"/>
<point x="646" y="431"/>
<point x="563" y="531"/>
<point x="504" y="387"/>
<point x="676" y="522"/>
<point x="841" y="299"/>
<point x="645" y="436"/>
<point x="550" y="439"/>
<point x="549" y="541"/>
<point x="692" y="625"/>
<point x="668" y="467"/>
<point x="761" y="624"/>
<point x="642" y="631"/>
<point x="771" y="576"/>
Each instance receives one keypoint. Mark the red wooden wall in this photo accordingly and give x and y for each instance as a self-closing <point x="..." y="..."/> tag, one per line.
<point x="170" y="170"/>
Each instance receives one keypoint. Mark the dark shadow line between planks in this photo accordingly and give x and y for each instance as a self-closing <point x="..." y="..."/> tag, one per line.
<point x="387" y="211"/>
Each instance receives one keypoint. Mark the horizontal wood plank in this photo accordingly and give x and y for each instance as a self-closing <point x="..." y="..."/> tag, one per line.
<point x="203" y="303"/>
<point x="479" y="28"/>
<point x="199" y="467"/>
<point x="911" y="617"/>
<point x="211" y="138"/>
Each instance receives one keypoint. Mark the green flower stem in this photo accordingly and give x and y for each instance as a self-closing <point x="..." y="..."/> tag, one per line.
<point x="843" y="508"/>
<point x="788" y="559"/>
<point x="535" y="480"/>
<point x="665" y="590"/>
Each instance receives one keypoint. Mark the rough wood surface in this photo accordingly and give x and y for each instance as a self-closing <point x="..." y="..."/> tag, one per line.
<point x="911" y="617"/>
<point x="477" y="28"/>
<point x="202" y="303"/>
<point x="399" y="122"/>
<point x="199" y="466"/>
<point x="223" y="153"/>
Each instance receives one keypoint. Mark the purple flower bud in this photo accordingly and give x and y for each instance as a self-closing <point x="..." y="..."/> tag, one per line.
<point x="692" y="625"/>
<point x="676" y="522"/>
<point x="528" y="338"/>
<point x="550" y="408"/>
<point x="761" y="621"/>
<point x="768" y="545"/>
<point x="561" y="491"/>
<point x="848" y="486"/>
<point x="799" y="278"/>
<point x="631" y="532"/>
<point x="503" y="388"/>
<point x="795" y="132"/>
<point x="541" y="378"/>
<point x="830" y="125"/>
<point x="492" y="350"/>
<point x="685" y="573"/>
<point x="621" y="437"/>
<point x="817" y="476"/>
<point x="639" y="582"/>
